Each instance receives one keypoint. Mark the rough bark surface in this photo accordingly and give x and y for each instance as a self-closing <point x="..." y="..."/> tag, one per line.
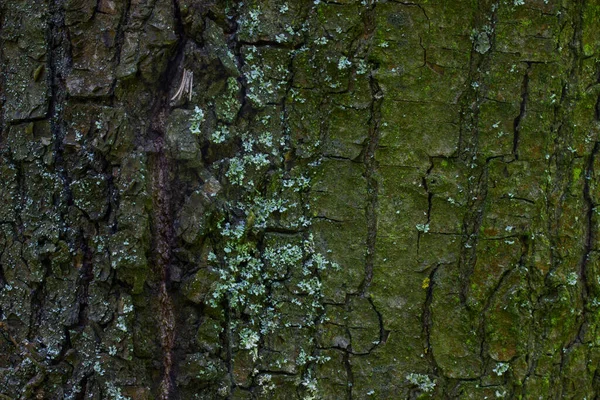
<point x="299" y="199"/>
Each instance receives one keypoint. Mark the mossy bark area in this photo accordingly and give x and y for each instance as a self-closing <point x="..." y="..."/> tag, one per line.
<point x="301" y="199"/>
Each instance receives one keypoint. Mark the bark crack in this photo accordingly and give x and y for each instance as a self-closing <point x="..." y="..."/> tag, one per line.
<point x="370" y="163"/>
<point x="162" y="182"/>
<point x="517" y="124"/>
<point x="427" y="320"/>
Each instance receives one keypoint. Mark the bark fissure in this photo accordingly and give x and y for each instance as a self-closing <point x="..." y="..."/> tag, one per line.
<point x="372" y="183"/>
<point x="163" y="189"/>
<point x="349" y="375"/>
<point x="427" y="320"/>
<point x="468" y="148"/>
<point x="522" y="112"/>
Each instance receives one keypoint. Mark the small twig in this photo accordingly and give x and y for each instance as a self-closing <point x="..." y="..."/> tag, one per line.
<point x="187" y="80"/>
<point x="178" y="93"/>
<point x="191" y="84"/>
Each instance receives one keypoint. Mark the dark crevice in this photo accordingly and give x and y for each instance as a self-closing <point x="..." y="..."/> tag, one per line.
<point x="383" y="333"/>
<point x="164" y="196"/>
<point x="429" y="204"/>
<point x="327" y="219"/>
<point x="559" y="188"/>
<point x="518" y="199"/>
<point x="468" y="146"/>
<point x="589" y="238"/>
<point x="427" y="320"/>
<point x="471" y="226"/>
<point x="349" y="375"/>
<point x="86" y="275"/>
<point x="119" y="41"/>
<point x="517" y="124"/>
<point x="372" y="183"/>
<point x="228" y="343"/>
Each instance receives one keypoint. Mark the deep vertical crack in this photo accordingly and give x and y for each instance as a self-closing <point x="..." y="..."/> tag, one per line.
<point x="517" y="124"/>
<point x="372" y="184"/>
<point x="429" y="202"/>
<point x="349" y="374"/>
<point x="427" y="319"/>
<point x="120" y="39"/>
<point x="559" y="188"/>
<point x="163" y="240"/>
<point x="162" y="181"/>
<point x="590" y="207"/>
<point x="468" y="150"/>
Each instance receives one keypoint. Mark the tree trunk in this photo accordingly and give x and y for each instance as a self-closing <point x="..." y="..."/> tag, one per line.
<point x="302" y="199"/>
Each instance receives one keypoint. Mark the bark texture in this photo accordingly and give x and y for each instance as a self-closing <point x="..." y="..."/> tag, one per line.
<point x="299" y="199"/>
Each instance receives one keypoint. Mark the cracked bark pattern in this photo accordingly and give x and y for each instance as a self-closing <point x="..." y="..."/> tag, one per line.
<point x="452" y="150"/>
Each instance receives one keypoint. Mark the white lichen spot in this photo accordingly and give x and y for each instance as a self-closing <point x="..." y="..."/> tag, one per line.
<point x="248" y="338"/>
<point x="220" y="134"/>
<point x="121" y="324"/>
<point x="572" y="279"/>
<point x="344" y="63"/>
<point x="422" y="381"/>
<point x="196" y="121"/>
<point x="422" y="228"/>
<point x="501" y="368"/>
<point x="114" y="392"/>
<point x="98" y="368"/>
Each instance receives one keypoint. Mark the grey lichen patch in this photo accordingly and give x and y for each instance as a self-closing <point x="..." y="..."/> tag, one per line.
<point x="267" y="282"/>
<point x="481" y="42"/>
<point x="265" y="72"/>
<point x="422" y="381"/>
<point x="277" y="21"/>
<point x="228" y="104"/>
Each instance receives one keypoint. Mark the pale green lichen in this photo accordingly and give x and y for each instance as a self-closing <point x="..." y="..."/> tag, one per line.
<point x="196" y="121"/>
<point x="247" y="275"/>
<point x="424" y="228"/>
<point x="501" y="368"/>
<point x="572" y="279"/>
<point x="423" y="382"/>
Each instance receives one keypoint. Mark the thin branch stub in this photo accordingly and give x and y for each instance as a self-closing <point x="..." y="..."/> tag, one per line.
<point x="185" y="87"/>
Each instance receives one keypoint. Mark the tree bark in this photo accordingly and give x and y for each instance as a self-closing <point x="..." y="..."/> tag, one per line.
<point x="299" y="199"/>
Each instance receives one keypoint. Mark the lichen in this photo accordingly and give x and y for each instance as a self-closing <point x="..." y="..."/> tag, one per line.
<point x="423" y="382"/>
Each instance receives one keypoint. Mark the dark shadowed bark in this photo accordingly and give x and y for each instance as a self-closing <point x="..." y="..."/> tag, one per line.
<point x="299" y="199"/>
